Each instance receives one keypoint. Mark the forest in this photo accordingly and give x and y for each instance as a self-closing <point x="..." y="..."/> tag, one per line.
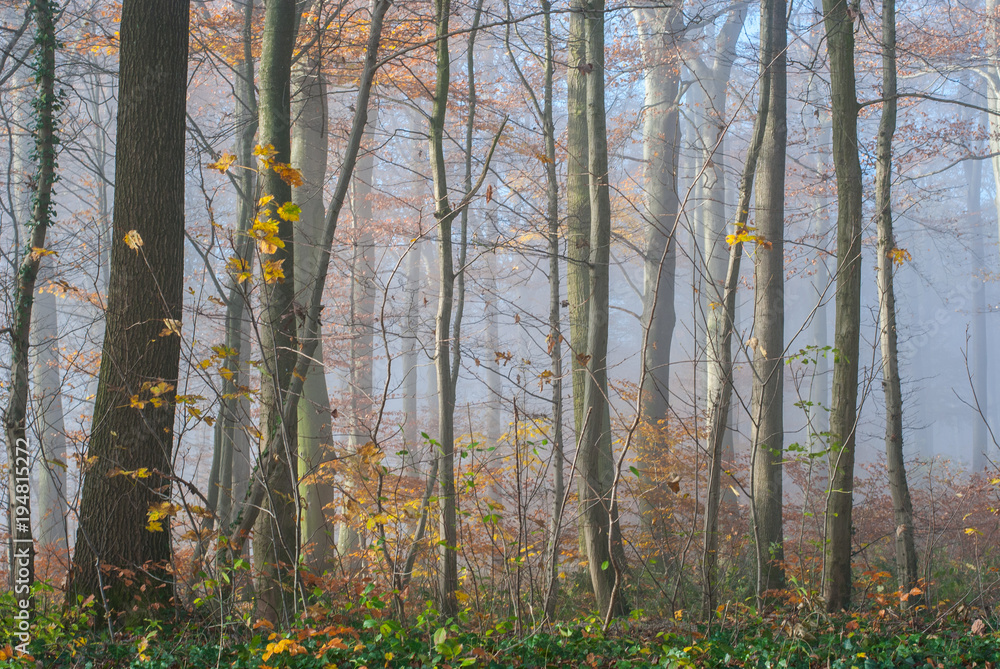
<point x="499" y="333"/>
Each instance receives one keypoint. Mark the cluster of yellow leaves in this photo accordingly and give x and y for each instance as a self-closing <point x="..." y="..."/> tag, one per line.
<point x="37" y="253"/>
<point x="899" y="256"/>
<point x="744" y="234"/>
<point x="156" y="391"/>
<point x="239" y="269"/>
<point x="158" y="512"/>
<point x="289" y="646"/>
<point x="224" y="162"/>
<point x="272" y="271"/>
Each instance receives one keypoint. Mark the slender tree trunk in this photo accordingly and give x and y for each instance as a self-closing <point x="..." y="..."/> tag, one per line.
<point x="448" y="529"/>
<point x="906" y="553"/>
<point x="577" y="204"/>
<point x="229" y="475"/>
<point x="411" y="371"/>
<point x="554" y="338"/>
<point x="979" y="370"/>
<point x="45" y="104"/>
<point x="276" y="534"/>
<point x="309" y="154"/>
<point x="720" y="358"/>
<point x="847" y="166"/>
<point x="596" y="463"/>
<point x="767" y="425"/>
<point x="134" y="409"/>
<point x="363" y="291"/>
<point x="713" y="211"/>
<point x="53" y="532"/>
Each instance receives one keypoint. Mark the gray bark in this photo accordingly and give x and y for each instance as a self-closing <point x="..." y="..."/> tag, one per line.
<point x="766" y="404"/>
<point x="840" y="46"/>
<point x="315" y="437"/>
<point x="596" y="463"/>
<point x="906" y="554"/>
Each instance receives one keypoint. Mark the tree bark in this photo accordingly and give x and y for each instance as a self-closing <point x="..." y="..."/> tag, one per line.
<point x="363" y="291"/>
<point x="117" y="559"/>
<point x="45" y="104"/>
<point x="276" y="534"/>
<point x="837" y="559"/>
<point x="720" y="358"/>
<point x="906" y="553"/>
<point x="596" y="464"/>
<point x="577" y="204"/>
<point x="315" y="437"/>
<point x="447" y="526"/>
<point x="767" y="426"/>
<point x="658" y="30"/>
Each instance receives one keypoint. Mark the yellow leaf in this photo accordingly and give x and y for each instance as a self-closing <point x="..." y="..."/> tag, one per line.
<point x="265" y="200"/>
<point x="154" y="526"/>
<point x="133" y="239"/>
<point x="266" y="151"/>
<point x="289" y="211"/>
<point x="899" y="256"/>
<point x="161" y="388"/>
<point x="289" y="174"/>
<point x="136" y="403"/>
<point x="224" y="162"/>
<point x="273" y="271"/>
<point x="38" y="252"/>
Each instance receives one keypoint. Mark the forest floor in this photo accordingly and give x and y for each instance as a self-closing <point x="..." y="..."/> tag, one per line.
<point x="741" y="639"/>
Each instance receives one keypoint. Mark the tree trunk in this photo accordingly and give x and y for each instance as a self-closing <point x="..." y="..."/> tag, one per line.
<point x="363" y="291"/>
<point x="658" y="28"/>
<point x="229" y="476"/>
<point x="309" y="154"/>
<point x="53" y="533"/>
<point x="276" y="534"/>
<point x="448" y="567"/>
<point x="840" y="501"/>
<point x="767" y="425"/>
<point x="720" y="357"/>
<point x="599" y="510"/>
<point x="554" y="338"/>
<point x="45" y="104"/>
<point x="577" y="204"/>
<point x="906" y="553"/>
<point x="979" y="370"/>
<point x="118" y="559"/>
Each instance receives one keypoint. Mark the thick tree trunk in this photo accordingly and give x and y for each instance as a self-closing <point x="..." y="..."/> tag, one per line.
<point x="599" y="511"/>
<point x="276" y="534"/>
<point x="840" y="501"/>
<point x="134" y="410"/>
<point x="658" y="29"/>
<point x="309" y="154"/>
<point x="767" y="424"/>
